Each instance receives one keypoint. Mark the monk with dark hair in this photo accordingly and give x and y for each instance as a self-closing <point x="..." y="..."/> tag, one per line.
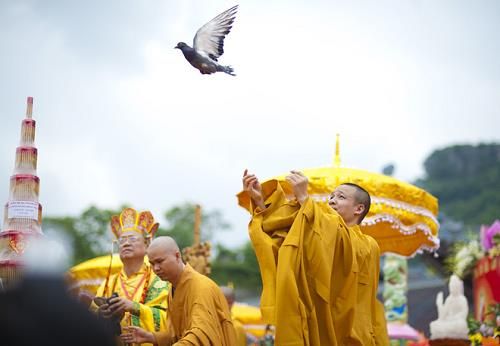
<point x="361" y="196"/>
<point x="319" y="271"/>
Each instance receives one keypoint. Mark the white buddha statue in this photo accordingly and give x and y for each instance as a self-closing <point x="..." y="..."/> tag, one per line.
<point x="452" y="315"/>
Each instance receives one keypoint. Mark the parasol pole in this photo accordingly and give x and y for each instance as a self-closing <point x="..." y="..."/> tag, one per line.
<point x="109" y="268"/>
<point x="197" y="223"/>
<point x="336" y="158"/>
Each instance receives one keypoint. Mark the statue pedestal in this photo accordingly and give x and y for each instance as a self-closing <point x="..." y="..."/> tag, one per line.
<point x="449" y="342"/>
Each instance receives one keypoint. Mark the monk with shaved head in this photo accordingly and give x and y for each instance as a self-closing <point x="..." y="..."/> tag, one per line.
<point x="319" y="271"/>
<point x="198" y="313"/>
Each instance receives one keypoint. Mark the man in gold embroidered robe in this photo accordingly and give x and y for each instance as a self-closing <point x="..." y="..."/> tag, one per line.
<point x="198" y="314"/>
<point x="319" y="272"/>
<point x="142" y="295"/>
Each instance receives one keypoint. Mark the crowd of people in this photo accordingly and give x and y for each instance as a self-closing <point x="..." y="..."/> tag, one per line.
<point x="319" y="274"/>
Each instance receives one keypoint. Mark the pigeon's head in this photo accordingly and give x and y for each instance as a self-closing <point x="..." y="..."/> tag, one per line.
<point x="181" y="45"/>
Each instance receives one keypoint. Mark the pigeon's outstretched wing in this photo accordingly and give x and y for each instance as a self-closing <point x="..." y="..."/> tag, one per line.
<point x="209" y="39"/>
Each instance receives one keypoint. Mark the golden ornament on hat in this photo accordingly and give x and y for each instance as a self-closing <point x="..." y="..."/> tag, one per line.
<point x="131" y="220"/>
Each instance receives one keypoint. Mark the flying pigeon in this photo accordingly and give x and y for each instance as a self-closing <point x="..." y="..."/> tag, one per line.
<point x="208" y="44"/>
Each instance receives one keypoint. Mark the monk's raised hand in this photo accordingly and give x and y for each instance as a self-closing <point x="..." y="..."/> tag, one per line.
<point x="439" y="299"/>
<point x="299" y="183"/>
<point x="137" y="335"/>
<point x="252" y="186"/>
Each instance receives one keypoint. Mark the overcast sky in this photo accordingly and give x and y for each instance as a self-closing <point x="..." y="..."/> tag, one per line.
<point x="123" y="118"/>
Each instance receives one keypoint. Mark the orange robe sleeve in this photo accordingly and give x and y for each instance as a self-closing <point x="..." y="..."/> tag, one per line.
<point x="369" y="327"/>
<point x="241" y="336"/>
<point x="199" y="314"/>
<point x="308" y="269"/>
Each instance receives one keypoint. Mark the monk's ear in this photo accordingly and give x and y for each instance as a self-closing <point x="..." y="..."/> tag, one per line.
<point x="359" y="209"/>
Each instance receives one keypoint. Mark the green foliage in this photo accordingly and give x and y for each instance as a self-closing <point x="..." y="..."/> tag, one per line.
<point x="488" y="327"/>
<point x="180" y="224"/>
<point x="88" y="234"/>
<point x="466" y="180"/>
<point x="473" y="325"/>
<point x="389" y="169"/>
<point x="238" y="266"/>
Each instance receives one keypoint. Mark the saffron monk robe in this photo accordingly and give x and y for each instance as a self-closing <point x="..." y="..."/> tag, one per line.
<point x="319" y="271"/>
<point x="198" y="314"/>
<point x="142" y="296"/>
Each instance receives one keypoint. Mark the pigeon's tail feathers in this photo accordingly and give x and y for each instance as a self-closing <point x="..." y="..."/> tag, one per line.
<point x="227" y="69"/>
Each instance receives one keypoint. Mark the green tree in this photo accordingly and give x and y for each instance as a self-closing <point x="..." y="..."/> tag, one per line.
<point x="238" y="266"/>
<point x="89" y="236"/>
<point x="466" y="180"/>
<point x="180" y="224"/>
<point x="88" y="233"/>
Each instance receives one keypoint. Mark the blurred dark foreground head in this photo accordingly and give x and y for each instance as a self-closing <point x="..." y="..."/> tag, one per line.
<point x="40" y="311"/>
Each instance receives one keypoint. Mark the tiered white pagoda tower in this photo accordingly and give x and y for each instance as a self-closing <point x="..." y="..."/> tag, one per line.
<point x="23" y="214"/>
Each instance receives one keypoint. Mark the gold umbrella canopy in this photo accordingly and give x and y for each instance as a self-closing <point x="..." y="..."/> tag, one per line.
<point x="402" y="217"/>
<point x="90" y="274"/>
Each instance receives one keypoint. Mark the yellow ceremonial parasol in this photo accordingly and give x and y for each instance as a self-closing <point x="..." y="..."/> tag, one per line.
<point x="402" y="217"/>
<point x="90" y="274"/>
<point x="251" y="318"/>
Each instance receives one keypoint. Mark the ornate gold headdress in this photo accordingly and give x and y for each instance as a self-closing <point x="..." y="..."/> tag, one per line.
<point x="131" y="220"/>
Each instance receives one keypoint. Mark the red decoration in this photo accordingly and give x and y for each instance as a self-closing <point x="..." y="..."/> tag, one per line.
<point x="486" y="285"/>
